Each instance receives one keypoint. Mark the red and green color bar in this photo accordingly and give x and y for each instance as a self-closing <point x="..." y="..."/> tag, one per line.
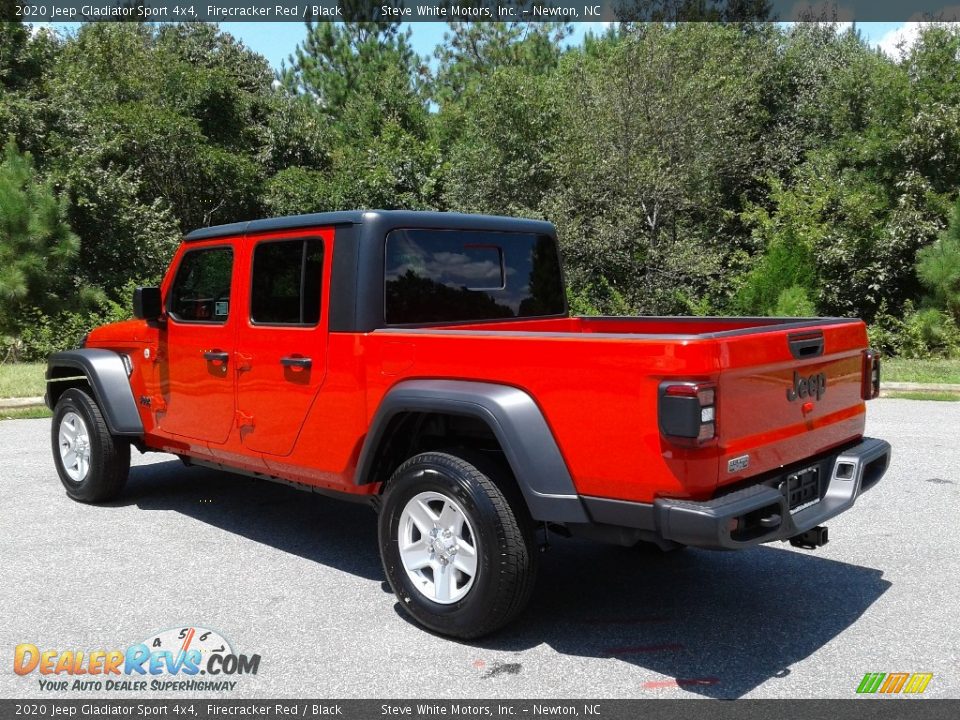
<point x="891" y="683"/>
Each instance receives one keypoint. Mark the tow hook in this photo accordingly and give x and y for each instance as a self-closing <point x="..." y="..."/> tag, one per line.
<point x="811" y="539"/>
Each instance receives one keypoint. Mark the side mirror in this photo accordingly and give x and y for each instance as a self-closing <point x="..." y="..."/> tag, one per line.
<point x="147" y="304"/>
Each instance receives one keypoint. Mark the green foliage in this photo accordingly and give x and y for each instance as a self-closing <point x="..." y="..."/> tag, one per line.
<point x="474" y="51"/>
<point x="177" y="110"/>
<point x="24" y="109"/>
<point x="788" y="236"/>
<point x="498" y="160"/>
<point x="918" y="334"/>
<point x="598" y="298"/>
<point x="361" y="88"/>
<point x="938" y="266"/>
<point x="337" y="62"/>
<point x="37" y="245"/>
<point x="929" y="333"/>
<point x="794" y="302"/>
<point x="122" y="237"/>
<point x="699" y="168"/>
<point x="42" y="335"/>
<point x="23" y="55"/>
<point x="642" y="186"/>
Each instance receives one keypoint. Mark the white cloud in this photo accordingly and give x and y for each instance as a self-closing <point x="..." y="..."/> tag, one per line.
<point x="897" y="43"/>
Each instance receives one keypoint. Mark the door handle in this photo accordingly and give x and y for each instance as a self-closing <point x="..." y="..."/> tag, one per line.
<point x="217" y="357"/>
<point x="297" y="363"/>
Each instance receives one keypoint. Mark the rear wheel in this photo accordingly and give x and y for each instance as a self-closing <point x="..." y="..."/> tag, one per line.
<point x="457" y="544"/>
<point x="92" y="464"/>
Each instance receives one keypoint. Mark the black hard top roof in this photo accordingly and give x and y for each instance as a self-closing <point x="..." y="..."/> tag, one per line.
<point x="383" y="219"/>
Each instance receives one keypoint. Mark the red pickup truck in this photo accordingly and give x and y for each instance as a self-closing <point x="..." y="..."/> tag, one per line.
<point x="426" y="363"/>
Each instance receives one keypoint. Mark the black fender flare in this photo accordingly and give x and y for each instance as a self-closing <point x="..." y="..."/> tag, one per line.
<point x="107" y="375"/>
<point x="516" y="422"/>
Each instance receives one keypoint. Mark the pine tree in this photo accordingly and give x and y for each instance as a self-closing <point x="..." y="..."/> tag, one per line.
<point x="339" y="62"/>
<point x="37" y="246"/>
<point x="938" y="266"/>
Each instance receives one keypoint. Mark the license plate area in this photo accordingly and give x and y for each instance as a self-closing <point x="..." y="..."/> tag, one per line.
<point x="802" y="488"/>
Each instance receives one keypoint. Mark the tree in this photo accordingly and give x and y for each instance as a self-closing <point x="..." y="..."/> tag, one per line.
<point x="156" y="130"/>
<point x="938" y="266"/>
<point x="659" y="139"/>
<point x="23" y="55"/>
<point x="37" y="246"/>
<point x="337" y="62"/>
<point x="498" y="142"/>
<point x="25" y="58"/>
<point x="472" y="52"/>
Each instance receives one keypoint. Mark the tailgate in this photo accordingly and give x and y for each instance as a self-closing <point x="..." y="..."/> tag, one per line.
<point x="786" y="395"/>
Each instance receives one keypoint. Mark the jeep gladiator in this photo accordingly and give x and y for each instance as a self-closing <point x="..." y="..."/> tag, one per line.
<point x="426" y="363"/>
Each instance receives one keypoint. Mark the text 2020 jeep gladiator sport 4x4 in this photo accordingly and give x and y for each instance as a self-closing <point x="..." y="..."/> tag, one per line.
<point x="426" y="363"/>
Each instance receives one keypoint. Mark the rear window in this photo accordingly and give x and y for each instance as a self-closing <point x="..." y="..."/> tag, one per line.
<point x="460" y="276"/>
<point x="286" y="285"/>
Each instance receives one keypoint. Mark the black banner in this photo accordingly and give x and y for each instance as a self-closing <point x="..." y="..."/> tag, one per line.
<point x="477" y="10"/>
<point x="861" y="709"/>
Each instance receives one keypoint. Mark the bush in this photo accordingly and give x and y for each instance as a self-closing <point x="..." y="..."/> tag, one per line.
<point x="920" y="334"/>
<point x="929" y="333"/>
<point x="938" y="266"/>
<point x="598" y="298"/>
<point x="794" y="302"/>
<point x="42" y="335"/>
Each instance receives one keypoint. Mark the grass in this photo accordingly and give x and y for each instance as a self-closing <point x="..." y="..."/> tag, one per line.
<point x="940" y="396"/>
<point x="22" y="380"/>
<point x="920" y="371"/>
<point x="24" y="413"/>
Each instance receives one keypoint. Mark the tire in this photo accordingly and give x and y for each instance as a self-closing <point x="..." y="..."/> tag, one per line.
<point x="79" y="432"/>
<point x="477" y="500"/>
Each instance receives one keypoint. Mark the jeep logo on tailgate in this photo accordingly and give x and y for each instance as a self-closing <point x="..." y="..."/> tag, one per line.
<point x="814" y="386"/>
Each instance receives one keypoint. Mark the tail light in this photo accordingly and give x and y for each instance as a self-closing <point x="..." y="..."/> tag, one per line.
<point x="688" y="412"/>
<point x="870" y="384"/>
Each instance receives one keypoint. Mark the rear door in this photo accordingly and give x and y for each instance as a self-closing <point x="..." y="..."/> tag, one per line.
<point x="786" y="395"/>
<point x="281" y="354"/>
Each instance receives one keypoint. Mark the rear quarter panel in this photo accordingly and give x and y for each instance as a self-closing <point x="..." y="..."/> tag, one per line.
<point x="599" y="396"/>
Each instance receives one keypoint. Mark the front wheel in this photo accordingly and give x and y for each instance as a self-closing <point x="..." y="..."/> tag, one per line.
<point x="456" y="543"/>
<point x="92" y="464"/>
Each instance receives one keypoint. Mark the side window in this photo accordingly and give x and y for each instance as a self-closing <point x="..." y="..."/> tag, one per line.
<point x="201" y="289"/>
<point x="287" y="282"/>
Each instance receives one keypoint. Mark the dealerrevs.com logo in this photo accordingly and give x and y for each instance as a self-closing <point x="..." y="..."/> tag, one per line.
<point x="187" y="659"/>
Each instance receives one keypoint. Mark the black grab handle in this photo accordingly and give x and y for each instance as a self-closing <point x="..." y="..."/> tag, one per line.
<point x="216" y="356"/>
<point x="297" y="362"/>
<point x="806" y="345"/>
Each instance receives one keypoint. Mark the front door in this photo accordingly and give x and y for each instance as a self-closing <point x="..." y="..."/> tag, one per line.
<point x="196" y="376"/>
<point x="282" y="340"/>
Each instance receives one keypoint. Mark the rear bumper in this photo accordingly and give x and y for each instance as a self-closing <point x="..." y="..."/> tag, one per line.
<point x="756" y="514"/>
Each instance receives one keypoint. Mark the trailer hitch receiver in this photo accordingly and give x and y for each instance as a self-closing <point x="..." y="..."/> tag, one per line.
<point x="811" y="539"/>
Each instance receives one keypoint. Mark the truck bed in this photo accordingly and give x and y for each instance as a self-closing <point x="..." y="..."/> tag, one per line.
<point x="672" y="326"/>
<point x="597" y="380"/>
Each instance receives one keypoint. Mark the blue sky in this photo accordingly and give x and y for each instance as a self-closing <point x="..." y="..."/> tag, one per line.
<point x="276" y="41"/>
